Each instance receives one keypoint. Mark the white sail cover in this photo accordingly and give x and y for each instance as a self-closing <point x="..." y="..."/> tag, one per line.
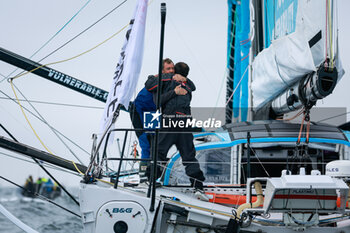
<point x="298" y="37"/>
<point x="129" y="65"/>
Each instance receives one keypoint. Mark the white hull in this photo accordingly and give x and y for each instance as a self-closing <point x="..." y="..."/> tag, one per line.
<point x="185" y="214"/>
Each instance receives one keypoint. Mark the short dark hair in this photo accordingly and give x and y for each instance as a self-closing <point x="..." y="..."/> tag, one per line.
<point x="182" y="68"/>
<point x="167" y="60"/>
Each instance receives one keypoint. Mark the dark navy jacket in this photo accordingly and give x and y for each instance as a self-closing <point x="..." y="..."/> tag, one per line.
<point x="171" y="103"/>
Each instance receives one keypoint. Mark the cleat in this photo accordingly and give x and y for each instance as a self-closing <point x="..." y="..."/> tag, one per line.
<point x="200" y="195"/>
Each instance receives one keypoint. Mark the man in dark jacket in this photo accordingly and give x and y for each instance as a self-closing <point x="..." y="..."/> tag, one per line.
<point x="144" y="103"/>
<point x="175" y="102"/>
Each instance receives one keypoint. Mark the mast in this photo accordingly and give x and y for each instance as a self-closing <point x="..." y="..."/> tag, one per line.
<point x="230" y="61"/>
<point x="238" y="55"/>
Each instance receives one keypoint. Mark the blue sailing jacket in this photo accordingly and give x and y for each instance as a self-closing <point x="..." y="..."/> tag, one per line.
<point x="144" y="102"/>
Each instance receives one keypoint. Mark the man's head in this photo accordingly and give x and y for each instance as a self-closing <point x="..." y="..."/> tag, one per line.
<point x="168" y="66"/>
<point x="182" y="68"/>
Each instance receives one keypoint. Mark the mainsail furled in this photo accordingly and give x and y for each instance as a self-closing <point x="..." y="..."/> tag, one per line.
<point x="298" y="38"/>
<point x="286" y="50"/>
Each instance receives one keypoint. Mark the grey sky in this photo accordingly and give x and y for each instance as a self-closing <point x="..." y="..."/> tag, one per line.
<point x="195" y="33"/>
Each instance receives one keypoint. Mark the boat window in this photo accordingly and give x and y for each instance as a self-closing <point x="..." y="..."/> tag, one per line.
<point x="215" y="164"/>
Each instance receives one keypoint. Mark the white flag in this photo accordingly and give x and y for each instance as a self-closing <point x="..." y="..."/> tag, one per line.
<point x="129" y="65"/>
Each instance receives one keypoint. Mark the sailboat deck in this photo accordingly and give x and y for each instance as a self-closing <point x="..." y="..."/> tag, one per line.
<point x="187" y="200"/>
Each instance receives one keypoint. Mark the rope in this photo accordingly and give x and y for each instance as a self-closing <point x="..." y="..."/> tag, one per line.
<point x="74" y="37"/>
<point x="238" y="84"/>
<point x="259" y="161"/>
<point x="76" y="168"/>
<point x="25" y="116"/>
<point x="45" y="170"/>
<point x="307" y="119"/>
<point x="68" y="59"/>
<point x="84" y="30"/>
<point x="301" y="129"/>
<point x="65" y="144"/>
<point x="45" y="165"/>
<point x="11" y="81"/>
<point x="307" y="131"/>
<point x="44" y="122"/>
<point x="40" y="196"/>
<point x="37" y="136"/>
<point x="62" y="28"/>
<point x="328" y="118"/>
<point x="53" y="103"/>
<point x="292" y="118"/>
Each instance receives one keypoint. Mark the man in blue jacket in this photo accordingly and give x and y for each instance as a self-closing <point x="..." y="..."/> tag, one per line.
<point x="144" y="103"/>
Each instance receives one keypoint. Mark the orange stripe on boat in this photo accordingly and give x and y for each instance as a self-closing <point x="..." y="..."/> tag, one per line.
<point x="241" y="199"/>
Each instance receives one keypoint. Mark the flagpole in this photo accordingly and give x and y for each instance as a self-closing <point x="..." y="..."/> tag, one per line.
<point x="155" y="142"/>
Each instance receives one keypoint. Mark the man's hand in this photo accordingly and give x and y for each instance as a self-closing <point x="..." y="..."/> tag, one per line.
<point x="180" y="91"/>
<point x="179" y="78"/>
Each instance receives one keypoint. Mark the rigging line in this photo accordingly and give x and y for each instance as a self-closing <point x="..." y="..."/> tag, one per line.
<point x="86" y="29"/>
<point x="238" y="84"/>
<point x="55" y="103"/>
<point x="25" y="116"/>
<point x="40" y="196"/>
<point x="45" y="122"/>
<point x="46" y="43"/>
<point x="293" y="117"/>
<point x="61" y="28"/>
<point x="46" y="171"/>
<point x="221" y="86"/>
<point x="37" y="134"/>
<point x="191" y="52"/>
<point x="256" y="155"/>
<point x="74" y="36"/>
<point x="301" y="130"/>
<point x="218" y="97"/>
<point x="7" y="131"/>
<point x="71" y="58"/>
<point x="45" y="165"/>
<point x="52" y="127"/>
<point x="3" y="76"/>
<point x="334" y="117"/>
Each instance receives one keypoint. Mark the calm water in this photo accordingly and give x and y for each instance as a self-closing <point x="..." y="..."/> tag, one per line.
<point x="40" y="215"/>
